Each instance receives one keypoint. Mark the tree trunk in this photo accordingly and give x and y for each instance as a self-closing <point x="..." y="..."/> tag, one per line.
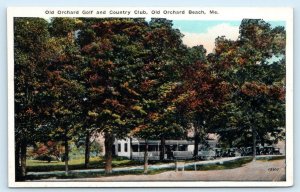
<point x="109" y="141"/>
<point x="130" y="147"/>
<point x="66" y="156"/>
<point x="87" y="150"/>
<point x="162" y="148"/>
<point x="23" y="159"/>
<point x="230" y="143"/>
<point x="146" y="158"/>
<point x="254" y="143"/>
<point x="262" y="141"/>
<point x="17" y="161"/>
<point x="196" y="143"/>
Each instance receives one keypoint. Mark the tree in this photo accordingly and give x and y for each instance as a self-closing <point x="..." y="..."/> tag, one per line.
<point x="112" y="49"/>
<point x="63" y="82"/>
<point x="257" y="79"/>
<point x="200" y="96"/>
<point x="156" y="79"/>
<point x="30" y="52"/>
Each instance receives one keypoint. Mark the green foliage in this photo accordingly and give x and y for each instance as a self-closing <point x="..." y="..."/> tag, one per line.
<point x="31" y="37"/>
<point x="257" y="102"/>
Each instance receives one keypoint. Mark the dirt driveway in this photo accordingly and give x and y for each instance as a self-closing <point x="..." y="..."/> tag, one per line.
<point x="253" y="171"/>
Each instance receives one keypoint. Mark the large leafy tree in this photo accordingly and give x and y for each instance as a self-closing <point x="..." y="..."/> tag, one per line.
<point x="30" y="53"/>
<point x="156" y="79"/>
<point x="199" y="98"/>
<point x="65" y="89"/>
<point x="113" y="52"/>
<point x="255" y="67"/>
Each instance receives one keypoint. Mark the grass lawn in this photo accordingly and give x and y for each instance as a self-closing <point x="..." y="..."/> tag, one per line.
<point x="270" y="158"/>
<point x="75" y="164"/>
<point x="82" y="175"/>
<point x="226" y="165"/>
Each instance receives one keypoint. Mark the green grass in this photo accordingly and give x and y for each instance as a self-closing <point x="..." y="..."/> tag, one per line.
<point x="75" y="164"/>
<point x="82" y="175"/>
<point x="95" y="174"/>
<point x="218" y="166"/>
<point x="270" y="158"/>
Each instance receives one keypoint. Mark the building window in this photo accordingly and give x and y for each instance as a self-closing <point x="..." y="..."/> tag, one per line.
<point x="135" y="148"/>
<point x="119" y="147"/>
<point x="125" y="149"/>
<point x="182" y="147"/>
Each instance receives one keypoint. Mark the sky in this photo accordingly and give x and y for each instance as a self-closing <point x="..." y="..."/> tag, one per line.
<point x="205" y="32"/>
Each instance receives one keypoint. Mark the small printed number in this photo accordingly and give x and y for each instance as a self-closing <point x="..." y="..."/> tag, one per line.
<point x="273" y="169"/>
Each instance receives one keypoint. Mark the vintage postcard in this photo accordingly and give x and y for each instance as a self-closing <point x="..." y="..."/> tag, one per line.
<point x="150" y="97"/>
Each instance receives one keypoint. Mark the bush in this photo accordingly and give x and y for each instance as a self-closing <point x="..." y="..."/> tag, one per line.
<point x="47" y="158"/>
<point x="116" y="158"/>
